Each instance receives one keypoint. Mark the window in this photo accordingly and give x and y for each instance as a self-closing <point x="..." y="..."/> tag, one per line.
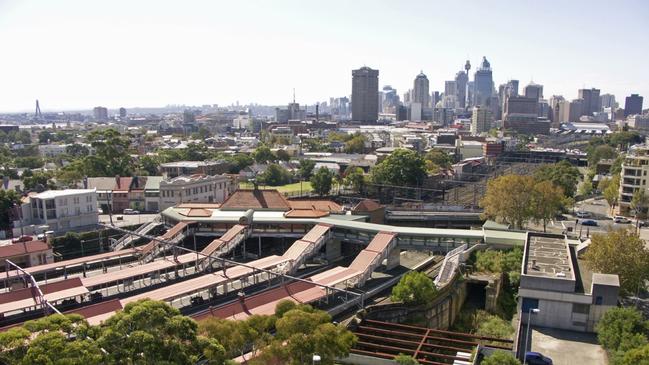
<point x="210" y="187"/>
<point x="88" y="199"/>
<point x="580" y="308"/>
<point x="78" y="210"/>
<point x="599" y="300"/>
<point x="76" y="200"/>
<point x="529" y="303"/>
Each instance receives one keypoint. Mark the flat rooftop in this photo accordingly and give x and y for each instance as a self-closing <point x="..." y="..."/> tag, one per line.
<point x="549" y="257"/>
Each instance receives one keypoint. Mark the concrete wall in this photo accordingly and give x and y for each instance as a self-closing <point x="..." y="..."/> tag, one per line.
<point x="439" y="314"/>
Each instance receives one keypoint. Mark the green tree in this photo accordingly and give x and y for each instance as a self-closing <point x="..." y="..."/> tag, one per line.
<point x="403" y="359"/>
<point x="611" y="190"/>
<point x="305" y="170"/>
<point x="239" y="161"/>
<point x="401" y="168"/>
<point x="47" y="341"/>
<point x="439" y="158"/>
<point x="149" y="164"/>
<point x="509" y="199"/>
<point x="547" y="202"/>
<point x="640" y="203"/>
<point x="561" y="174"/>
<point x="636" y="356"/>
<point x="501" y="358"/>
<point x="8" y="199"/>
<point x="77" y="150"/>
<point x="302" y="332"/>
<point x="620" y="252"/>
<point x="414" y="288"/>
<point x="495" y="326"/>
<point x="356" y="144"/>
<point x="618" y="325"/>
<point x="111" y="154"/>
<point x="153" y="332"/>
<point x="275" y="175"/>
<point x="598" y="153"/>
<point x="38" y="180"/>
<point x="355" y="177"/>
<point x="29" y="162"/>
<point x="282" y="155"/>
<point x="263" y="154"/>
<point x="321" y="181"/>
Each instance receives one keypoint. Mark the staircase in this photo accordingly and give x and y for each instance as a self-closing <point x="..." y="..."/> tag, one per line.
<point x="128" y="239"/>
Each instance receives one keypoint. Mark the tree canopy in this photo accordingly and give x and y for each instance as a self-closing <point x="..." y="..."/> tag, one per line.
<point x="263" y="154"/>
<point x="620" y="252"/>
<point x="275" y="175"/>
<point x="305" y="170"/>
<point x="8" y="198"/>
<point x="414" y="288"/>
<point x="561" y="174"/>
<point x="403" y="359"/>
<point x="501" y="358"/>
<point x="401" y="168"/>
<point x="509" y="199"/>
<point x="322" y="180"/>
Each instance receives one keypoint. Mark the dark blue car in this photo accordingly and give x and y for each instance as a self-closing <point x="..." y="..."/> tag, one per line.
<point x="589" y="222"/>
<point x="536" y="358"/>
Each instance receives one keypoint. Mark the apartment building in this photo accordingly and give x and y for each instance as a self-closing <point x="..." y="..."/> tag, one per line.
<point x="59" y="210"/>
<point x="633" y="176"/>
<point x="195" y="189"/>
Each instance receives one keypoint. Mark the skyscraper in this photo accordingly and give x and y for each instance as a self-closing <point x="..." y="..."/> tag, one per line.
<point x="365" y="94"/>
<point x="461" y="81"/>
<point x="390" y="99"/>
<point x="607" y="100"/>
<point x="534" y="91"/>
<point x="122" y="112"/>
<point x="590" y="102"/>
<point x="483" y="85"/>
<point x="420" y="90"/>
<point x="100" y="113"/>
<point x="633" y="105"/>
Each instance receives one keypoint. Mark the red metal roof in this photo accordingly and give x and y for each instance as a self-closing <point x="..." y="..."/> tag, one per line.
<point x="380" y="242"/>
<point x="316" y="232"/>
<point x="256" y="199"/>
<point x="363" y="260"/>
<point x="22" y="248"/>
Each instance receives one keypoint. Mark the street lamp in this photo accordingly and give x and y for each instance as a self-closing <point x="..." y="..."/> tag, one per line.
<point x="527" y="335"/>
<point x="316" y="359"/>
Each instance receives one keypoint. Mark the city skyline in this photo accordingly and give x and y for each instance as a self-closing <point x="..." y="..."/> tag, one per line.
<point x="78" y="56"/>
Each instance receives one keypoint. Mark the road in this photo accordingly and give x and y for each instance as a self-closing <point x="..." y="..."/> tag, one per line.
<point x="599" y="212"/>
<point x="128" y="220"/>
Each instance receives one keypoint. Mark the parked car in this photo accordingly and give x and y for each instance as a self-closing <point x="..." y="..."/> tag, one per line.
<point x="589" y="222"/>
<point x="582" y="214"/>
<point x="644" y="224"/>
<point x="536" y="358"/>
<point x="129" y="211"/>
<point x="621" y="219"/>
<point x="22" y="239"/>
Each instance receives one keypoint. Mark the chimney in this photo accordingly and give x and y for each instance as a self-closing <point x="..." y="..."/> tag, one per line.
<point x="85" y="182"/>
<point x="117" y="181"/>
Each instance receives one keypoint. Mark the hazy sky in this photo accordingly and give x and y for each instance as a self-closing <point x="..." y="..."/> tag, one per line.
<point x="73" y="54"/>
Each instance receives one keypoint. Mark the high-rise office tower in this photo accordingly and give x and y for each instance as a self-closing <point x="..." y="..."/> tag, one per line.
<point x="435" y="98"/>
<point x="390" y="99"/>
<point x="590" y="102"/>
<point x="365" y="94"/>
<point x="633" y="105"/>
<point x="420" y="90"/>
<point x="481" y="120"/>
<point x="576" y="108"/>
<point x="122" y="112"/>
<point x="534" y="91"/>
<point x="483" y="85"/>
<point x="461" y="81"/>
<point x="100" y="113"/>
<point x="607" y="100"/>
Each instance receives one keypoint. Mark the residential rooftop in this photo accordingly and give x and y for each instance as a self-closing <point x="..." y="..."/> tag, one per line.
<point x="548" y="256"/>
<point x="50" y="194"/>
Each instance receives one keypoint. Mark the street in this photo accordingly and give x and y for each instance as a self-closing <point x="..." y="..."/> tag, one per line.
<point x="128" y="219"/>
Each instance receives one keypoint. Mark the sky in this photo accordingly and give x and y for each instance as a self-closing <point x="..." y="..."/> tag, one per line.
<point x="77" y="54"/>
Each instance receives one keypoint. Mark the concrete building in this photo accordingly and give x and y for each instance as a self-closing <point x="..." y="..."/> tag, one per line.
<point x="481" y="120"/>
<point x="365" y="95"/>
<point x="534" y="91"/>
<point x="450" y="89"/>
<point x="173" y="169"/>
<point x="152" y="193"/>
<point x="566" y="294"/>
<point x="637" y="121"/>
<point x="26" y="254"/>
<point x="195" y="189"/>
<point x="461" y="81"/>
<point x="633" y="176"/>
<point x="591" y="102"/>
<point x="52" y="150"/>
<point x="60" y="210"/>
<point x="100" y="113"/>
<point x="122" y="112"/>
<point x="633" y="105"/>
<point x="292" y="112"/>
<point x="420" y="90"/>
<point x="483" y="85"/>
<point x="521" y="115"/>
<point x="607" y="101"/>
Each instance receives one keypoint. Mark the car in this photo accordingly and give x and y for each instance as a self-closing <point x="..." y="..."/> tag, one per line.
<point x="621" y="219"/>
<point x="129" y="211"/>
<point x="23" y="238"/>
<point x="644" y="224"/>
<point x="589" y="222"/>
<point x="536" y="358"/>
<point x="582" y="214"/>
